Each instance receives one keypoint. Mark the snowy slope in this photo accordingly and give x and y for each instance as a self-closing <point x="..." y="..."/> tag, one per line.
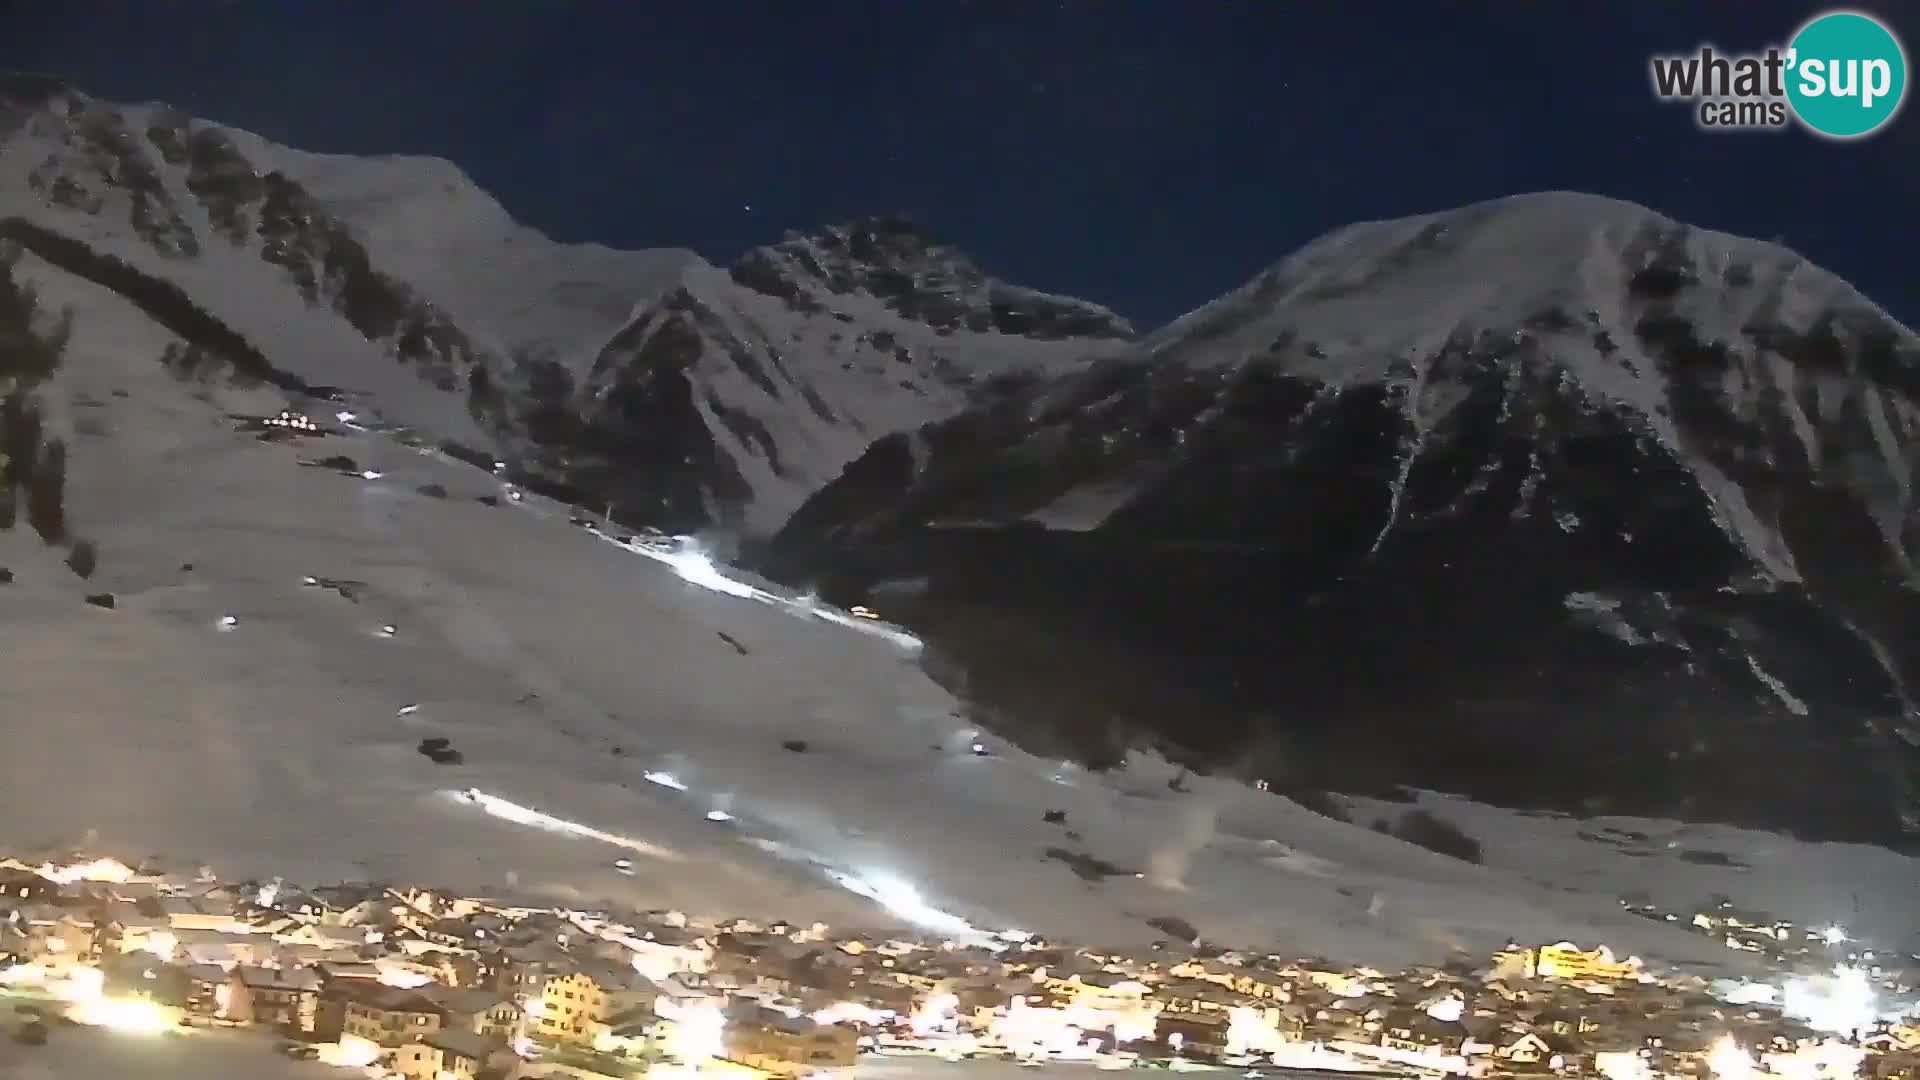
<point x="167" y="207"/>
<point x="1551" y="500"/>
<point x="788" y="365"/>
<point x="565" y="677"/>
<point x="427" y="223"/>
<point x="1381" y="302"/>
<point x="649" y="380"/>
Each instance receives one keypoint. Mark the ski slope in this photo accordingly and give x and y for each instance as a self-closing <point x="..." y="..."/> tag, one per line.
<point x="605" y="689"/>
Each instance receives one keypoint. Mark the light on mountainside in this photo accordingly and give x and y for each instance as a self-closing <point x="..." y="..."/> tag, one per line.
<point x="695" y="567"/>
<point x="905" y="902"/>
<point x="665" y="780"/>
<point x="525" y="815"/>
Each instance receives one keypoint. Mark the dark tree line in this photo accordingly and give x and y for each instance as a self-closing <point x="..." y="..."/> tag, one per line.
<point x="33" y="464"/>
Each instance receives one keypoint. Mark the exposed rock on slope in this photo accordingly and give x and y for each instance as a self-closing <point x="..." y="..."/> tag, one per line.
<point x="145" y="194"/>
<point x="739" y="393"/>
<point x="1549" y="500"/>
<point x="682" y="395"/>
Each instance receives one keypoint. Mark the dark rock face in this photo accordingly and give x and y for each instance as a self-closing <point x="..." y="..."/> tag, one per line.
<point x="642" y="444"/>
<point x="675" y="423"/>
<point x="1483" y="567"/>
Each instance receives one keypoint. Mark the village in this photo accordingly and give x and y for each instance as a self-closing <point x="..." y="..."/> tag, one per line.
<point x="390" y="981"/>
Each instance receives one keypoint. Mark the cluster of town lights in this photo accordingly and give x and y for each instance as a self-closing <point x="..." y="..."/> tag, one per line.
<point x="292" y="421"/>
<point x="1095" y="1025"/>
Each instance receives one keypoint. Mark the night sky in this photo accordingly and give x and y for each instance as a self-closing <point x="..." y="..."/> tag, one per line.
<point x="1148" y="155"/>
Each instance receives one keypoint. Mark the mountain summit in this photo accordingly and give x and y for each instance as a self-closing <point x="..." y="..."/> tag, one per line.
<point x="1549" y="500"/>
<point x="738" y="393"/>
<point x="680" y="394"/>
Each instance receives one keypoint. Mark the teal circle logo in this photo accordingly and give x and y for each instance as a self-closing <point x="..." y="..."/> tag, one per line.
<point x="1847" y="75"/>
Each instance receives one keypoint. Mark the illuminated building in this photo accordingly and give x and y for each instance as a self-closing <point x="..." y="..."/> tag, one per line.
<point x="783" y="1045"/>
<point x="1566" y="960"/>
<point x="458" y="1055"/>
<point x="387" y="1016"/>
<point x="288" y="1000"/>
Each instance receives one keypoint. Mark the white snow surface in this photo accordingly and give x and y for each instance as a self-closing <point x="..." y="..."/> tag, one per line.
<point x="822" y="384"/>
<point x="231" y="281"/>
<point x="277" y="746"/>
<point x="1406" y="283"/>
<point x="1865" y="890"/>
<point x="1377" y="301"/>
<point x="821" y="387"/>
<point x="425" y="221"/>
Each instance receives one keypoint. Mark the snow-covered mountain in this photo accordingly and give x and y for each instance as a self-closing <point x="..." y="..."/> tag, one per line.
<point x="682" y="394"/>
<point x="740" y="392"/>
<point x="1548" y="500"/>
<point x="167" y="639"/>
<point x="242" y="667"/>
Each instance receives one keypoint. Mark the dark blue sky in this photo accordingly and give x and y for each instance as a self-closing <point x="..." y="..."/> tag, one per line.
<point x="1147" y="154"/>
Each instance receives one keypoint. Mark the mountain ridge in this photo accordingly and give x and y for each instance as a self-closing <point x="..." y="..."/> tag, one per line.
<point x="398" y="280"/>
<point x="1561" y="425"/>
<point x="1699" y="449"/>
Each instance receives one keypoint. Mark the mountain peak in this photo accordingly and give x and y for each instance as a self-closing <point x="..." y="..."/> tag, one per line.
<point x="891" y="259"/>
<point x="876" y="237"/>
<point x="1547" y="262"/>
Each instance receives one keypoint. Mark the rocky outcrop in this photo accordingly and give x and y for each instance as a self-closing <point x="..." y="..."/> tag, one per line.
<point x="731" y="398"/>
